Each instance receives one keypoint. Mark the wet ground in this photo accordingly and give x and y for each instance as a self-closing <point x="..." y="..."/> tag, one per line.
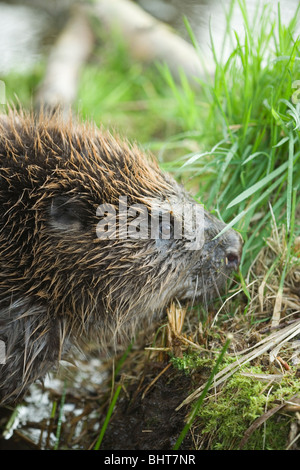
<point x="150" y="421"/>
<point x="145" y="418"/>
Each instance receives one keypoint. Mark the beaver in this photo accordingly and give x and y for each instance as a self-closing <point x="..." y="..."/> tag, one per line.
<point x="64" y="279"/>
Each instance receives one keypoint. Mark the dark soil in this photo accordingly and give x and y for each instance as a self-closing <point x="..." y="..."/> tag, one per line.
<point x="150" y="422"/>
<point x="144" y="418"/>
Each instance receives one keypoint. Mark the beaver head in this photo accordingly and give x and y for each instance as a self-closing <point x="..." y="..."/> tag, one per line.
<point x="92" y="242"/>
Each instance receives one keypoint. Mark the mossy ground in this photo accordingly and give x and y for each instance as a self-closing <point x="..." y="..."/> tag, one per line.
<point x="227" y="413"/>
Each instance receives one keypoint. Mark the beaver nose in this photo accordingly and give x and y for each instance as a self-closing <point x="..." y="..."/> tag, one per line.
<point x="233" y="250"/>
<point x="232" y="259"/>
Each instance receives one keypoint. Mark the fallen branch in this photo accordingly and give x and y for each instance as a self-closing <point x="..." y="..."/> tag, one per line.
<point x="71" y="51"/>
<point x="148" y="39"/>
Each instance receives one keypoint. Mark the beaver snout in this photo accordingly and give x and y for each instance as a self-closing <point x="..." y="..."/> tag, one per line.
<point x="227" y="246"/>
<point x="232" y="260"/>
<point x="233" y="252"/>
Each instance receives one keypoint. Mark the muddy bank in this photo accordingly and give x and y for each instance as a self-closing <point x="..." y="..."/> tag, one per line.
<point x="146" y="419"/>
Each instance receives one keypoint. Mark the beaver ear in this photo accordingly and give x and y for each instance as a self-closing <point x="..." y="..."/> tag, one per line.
<point x="66" y="213"/>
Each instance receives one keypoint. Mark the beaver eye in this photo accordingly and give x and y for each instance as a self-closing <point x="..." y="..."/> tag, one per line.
<point x="165" y="230"/>
<point x="65" y="214"/>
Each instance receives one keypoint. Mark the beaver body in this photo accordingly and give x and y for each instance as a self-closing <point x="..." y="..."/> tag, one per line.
<point x="61" y="281"/>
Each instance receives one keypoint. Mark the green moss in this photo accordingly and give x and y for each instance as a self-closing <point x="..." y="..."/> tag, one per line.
<point x="240" y="402"/>
<point x="226" y="415"/>
<point x="190" y="361"/>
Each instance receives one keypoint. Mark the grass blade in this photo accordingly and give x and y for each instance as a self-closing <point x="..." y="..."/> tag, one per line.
<point x="290" y="182"/>
<point x="60" y="417"/>
<point x="259" y="185"/>
<point x="202" y="396"/>
<point x="108" y="416"/>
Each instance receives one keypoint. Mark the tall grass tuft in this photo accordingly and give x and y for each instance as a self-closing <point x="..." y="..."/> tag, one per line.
<point x="246" y="123"/>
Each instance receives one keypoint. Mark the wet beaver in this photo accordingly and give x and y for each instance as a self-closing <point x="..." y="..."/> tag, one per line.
<point x="68" y="273"/>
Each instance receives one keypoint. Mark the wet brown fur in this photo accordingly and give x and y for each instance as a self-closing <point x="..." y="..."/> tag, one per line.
<point x="59" y="283"/>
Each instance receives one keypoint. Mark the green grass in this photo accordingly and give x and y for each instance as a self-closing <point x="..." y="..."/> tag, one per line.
<point x="125" y="96"/>
<point x="248" y="130"/>
<point x="21" y="87"/>
<point x="199" y="403"/>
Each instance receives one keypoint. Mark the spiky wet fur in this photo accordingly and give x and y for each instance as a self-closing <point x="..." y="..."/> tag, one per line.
<point x="60" y="284"/>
